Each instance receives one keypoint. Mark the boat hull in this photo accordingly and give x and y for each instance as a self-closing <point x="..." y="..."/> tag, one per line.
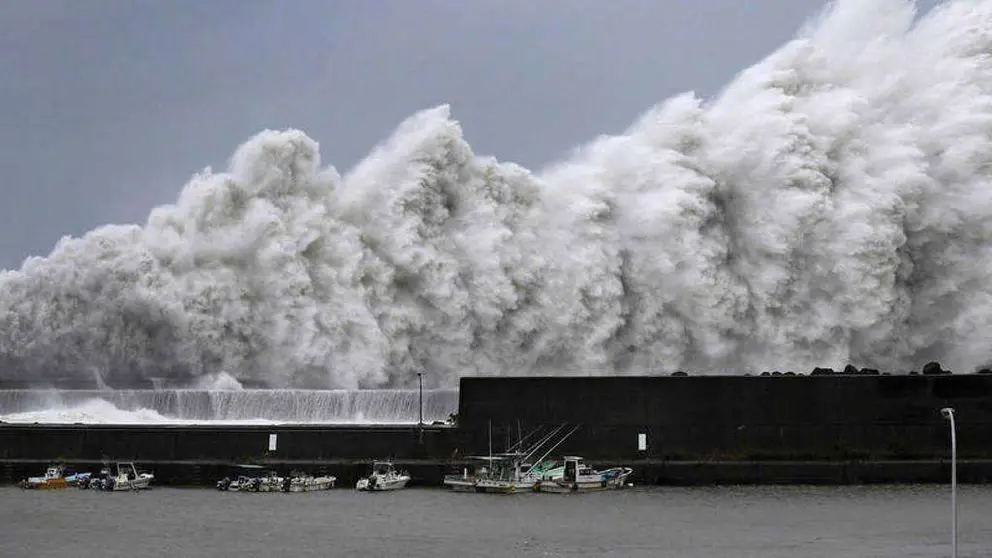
<point x="45" y="484"/>
<point x="613" y="479"/>
<point x="140" y="483"/>
<point x="55" y="478"/>
<point x="311" y="484"/>
<point x="459" y="485"/>
<point x="272" y="486"/>
<point x="502" y="487"/>
<point x="382" y="485"/>
<point x="487" y="486"/>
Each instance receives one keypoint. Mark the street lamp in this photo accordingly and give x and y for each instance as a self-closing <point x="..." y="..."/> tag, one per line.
<point x="948" y="413"/>
<point x="420" y="419"/>
<point x="420" y="379"/>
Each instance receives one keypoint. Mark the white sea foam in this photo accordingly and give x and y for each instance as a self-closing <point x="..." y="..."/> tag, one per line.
<point x="832" y="205"/>
<point x="232" y="406"/>
<point x="92" y="411"/>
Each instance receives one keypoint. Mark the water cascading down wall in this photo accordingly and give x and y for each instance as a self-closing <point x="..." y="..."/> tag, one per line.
<point x="260" y="406"/>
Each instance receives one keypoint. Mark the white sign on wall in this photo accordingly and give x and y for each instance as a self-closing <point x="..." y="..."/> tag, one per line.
<point x="642" y="442"/>
<point x="272" y="442"/>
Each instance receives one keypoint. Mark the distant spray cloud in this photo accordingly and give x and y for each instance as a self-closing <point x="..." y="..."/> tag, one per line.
<point x="832" y="205"/>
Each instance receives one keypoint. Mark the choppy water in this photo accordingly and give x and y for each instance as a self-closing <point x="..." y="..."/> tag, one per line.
<point x="795" y="522"/>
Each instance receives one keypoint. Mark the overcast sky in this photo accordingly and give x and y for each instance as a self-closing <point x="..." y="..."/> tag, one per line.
<point x="108" y="107"/>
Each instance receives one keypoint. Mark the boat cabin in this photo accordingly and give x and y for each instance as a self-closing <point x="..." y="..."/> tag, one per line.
<point x="575" y="468"/>
<point x="127" y="469"/>
<point x="382" y="467"/>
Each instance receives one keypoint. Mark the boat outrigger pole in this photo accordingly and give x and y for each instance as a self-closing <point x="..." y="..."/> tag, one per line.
<point x="520" y="443"/>
<point x="547" y="453"/>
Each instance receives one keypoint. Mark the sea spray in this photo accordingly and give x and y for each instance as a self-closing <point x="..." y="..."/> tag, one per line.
<point x="831" y="205"/>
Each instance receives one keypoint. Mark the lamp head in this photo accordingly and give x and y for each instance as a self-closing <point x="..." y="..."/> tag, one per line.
<point x="947" y="412"/>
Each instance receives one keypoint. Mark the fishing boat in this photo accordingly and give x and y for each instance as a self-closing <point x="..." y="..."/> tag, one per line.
<point x="56" y="476"/>
<point x="496" y="474"/>
<point x="576" y="476"/>
<point x="120" y="477"/>
<point x="384" y="476"/>
<point x="510" y="472"/>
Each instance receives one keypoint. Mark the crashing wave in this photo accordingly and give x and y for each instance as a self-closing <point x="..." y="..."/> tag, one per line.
<point x="831" y="205"/>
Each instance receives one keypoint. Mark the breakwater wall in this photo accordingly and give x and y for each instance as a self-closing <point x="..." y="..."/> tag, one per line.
<point x="196" y="454"/>
<point x="830" y="429"/>
<point x="835" y="418"/>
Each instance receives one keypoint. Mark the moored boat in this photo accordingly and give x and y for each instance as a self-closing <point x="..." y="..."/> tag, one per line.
<point x="255" y="478"/>
<point x="510" y="472"/>
<point x="496" y="474"/>
<point x="251" y="478"/>
<point x="576" y="476"/>
<point x="384" y="476"/>
<point x="56" y="476"/>
<point x="269" y="482"/>
<point x="123" y="475"/>
<point x="304" y="482"/>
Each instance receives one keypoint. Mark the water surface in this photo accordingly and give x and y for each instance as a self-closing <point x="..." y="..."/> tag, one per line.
<point x="795" y="522"/>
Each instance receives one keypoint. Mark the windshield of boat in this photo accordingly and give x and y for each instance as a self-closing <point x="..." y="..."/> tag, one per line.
<point x="127" y="470"/>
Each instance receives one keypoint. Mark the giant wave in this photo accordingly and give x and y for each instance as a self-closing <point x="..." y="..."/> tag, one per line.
<point x="832" y="205"/>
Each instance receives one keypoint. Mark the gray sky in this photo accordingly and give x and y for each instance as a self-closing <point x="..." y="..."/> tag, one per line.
<point x="108" y="107"/>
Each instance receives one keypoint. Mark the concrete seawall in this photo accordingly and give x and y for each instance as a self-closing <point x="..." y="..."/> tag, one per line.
<point x="736" y="418"/>
<point x="196" y="455"/>
<point x="671" y="430"/>
<point x="242" y="443"/>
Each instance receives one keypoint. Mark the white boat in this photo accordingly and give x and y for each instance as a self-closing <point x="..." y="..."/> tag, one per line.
<point x="576" y="476"/>
<point x="384" y="476"/>
<point x="227" y="484"/>
<point x="254" y="478"/>
<point x="123" y="476"/>
<point x="269" y="482"/>
<point x="302" y="482"/>
<point x="251" y="478"/>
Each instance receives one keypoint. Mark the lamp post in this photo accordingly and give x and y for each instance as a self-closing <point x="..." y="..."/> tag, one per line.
<point x="420" y="419"/>
<point x="948" y="413"/>
<point x="420" y="379"/>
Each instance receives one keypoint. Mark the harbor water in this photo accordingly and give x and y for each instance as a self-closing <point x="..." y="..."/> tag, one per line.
<point x="738" y="521"/>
